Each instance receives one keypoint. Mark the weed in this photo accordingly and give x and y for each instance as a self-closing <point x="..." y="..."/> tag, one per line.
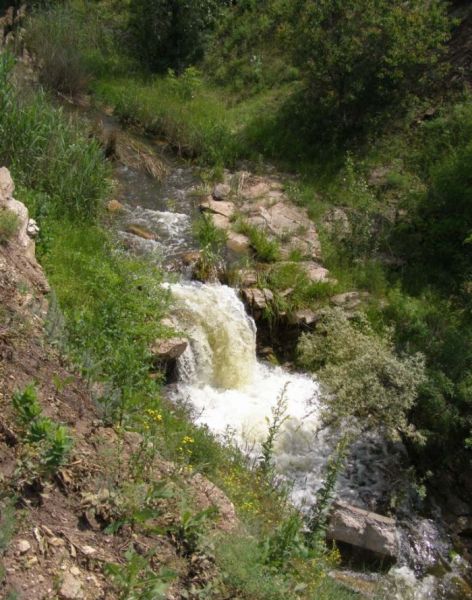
<point x="7" y="530"/>
<point x="26" y="405"/>
<point x="191" y="529"/>
<point x="279" y="416"/>
<point x="317" y="519"/>
<point x="49" y="152"/>
<point x="265" y="248"/>
<point x="208" y="235"/>
<point x="50" y="442"/>
<point x="136" y="579"/>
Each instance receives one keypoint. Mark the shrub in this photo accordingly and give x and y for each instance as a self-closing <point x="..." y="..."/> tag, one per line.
<point x="359" y="57"/>
<point x="208" y="235"/>
<point x="74" y="41"/>
<point x="444" y="220"/>
<point x="363" y="375"/>
<point x="51" y="439"/>
<point x="9" y="224"/>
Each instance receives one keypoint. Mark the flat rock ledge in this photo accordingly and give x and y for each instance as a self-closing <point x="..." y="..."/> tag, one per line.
<point x="363" y="529"/>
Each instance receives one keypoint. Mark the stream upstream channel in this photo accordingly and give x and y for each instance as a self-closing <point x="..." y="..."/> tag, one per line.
<point x="229" y="390"/>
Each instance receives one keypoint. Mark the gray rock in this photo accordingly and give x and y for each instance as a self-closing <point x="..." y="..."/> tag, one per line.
<point x="363" y="529"/>
<point x="221" y="191"/>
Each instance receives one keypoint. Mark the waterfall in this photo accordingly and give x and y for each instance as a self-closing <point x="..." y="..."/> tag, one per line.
<point x="228" y="389"/>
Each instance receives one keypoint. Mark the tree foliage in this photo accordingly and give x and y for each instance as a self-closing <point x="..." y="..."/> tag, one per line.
<point x="363" y="375"/>
<point x="359" y="56"/>
<point x="171" y="33"/>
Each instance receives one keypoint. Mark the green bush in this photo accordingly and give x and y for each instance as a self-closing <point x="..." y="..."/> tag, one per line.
<point x="444" y="220"/>
<point x="53" y="38"/>
<point x="52" y="441"/>
<point x="364" y="376"/>
<point x="358" y="58"/>
<point x="266" y="248"/>
<point x="75" y="40"/>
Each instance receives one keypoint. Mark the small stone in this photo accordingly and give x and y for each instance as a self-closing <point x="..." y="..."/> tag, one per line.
<point x="221" y="191"/>
<point x="24" y="546"/>
<point x="141" y="232"/>
<point x="88" y="550"/>
<point x="32" y="228"/>
<point x="71" y="588"/>
<point x="217" y="207"/>
<point x="115" y="207"/>
<point x="74" y="570"/>
<point x="237" y="242"/>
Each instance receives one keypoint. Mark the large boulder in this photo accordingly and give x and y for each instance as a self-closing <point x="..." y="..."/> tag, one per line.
<point x="363" y="529"/>
<point x="169" y="349"/>
<point x="27" y="228"/>
<point x="256" y="298"/>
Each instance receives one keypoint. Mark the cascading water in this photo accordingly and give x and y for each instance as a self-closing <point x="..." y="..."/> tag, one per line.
<point x="229" y="389"/>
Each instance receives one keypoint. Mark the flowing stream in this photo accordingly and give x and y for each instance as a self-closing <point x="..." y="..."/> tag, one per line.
<point x="229" y="390"/>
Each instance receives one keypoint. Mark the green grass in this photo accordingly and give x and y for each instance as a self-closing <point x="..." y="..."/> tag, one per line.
<point x="197" y="119"/>
<point x="9" y="225"/>
<point x="266" y="249"/>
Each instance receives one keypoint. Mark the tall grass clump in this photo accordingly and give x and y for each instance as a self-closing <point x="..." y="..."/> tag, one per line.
<point x="49" y="152"/>
<point x="74" y="41"/>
